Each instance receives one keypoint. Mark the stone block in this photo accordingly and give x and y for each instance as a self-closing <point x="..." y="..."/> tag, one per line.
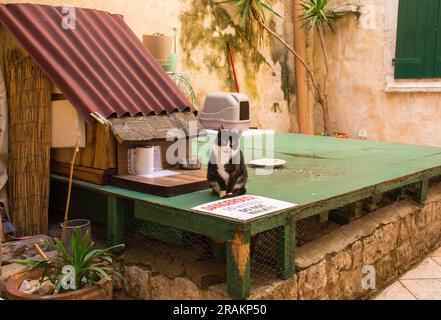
<point x="405" y="256"/>
<point x="338" y="265"/>
<point x="386" y="270"/>
<point x="206" y="273"/>
<point x="390" y="237"/>
<point x="180" y="288"/>
<point x="407" y="228"/>
<point x="137" y="283"/>
<point x="422" y="217"/>
<point x="216" y="292"/>
<point x="433" y="234"/>
<point x="357" y="254"/>
<point x="351" y="285"/>
<point x="276" y="290"/>
<point x="312" y="281"/>
<point x="372" y="246"/>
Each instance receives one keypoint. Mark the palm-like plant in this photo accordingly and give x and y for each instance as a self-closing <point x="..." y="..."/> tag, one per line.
<point x="91" y="265"/>
<point x="317" y="16"/>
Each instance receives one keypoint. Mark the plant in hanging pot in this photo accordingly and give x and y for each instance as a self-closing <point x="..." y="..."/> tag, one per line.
<point x="159" y="46"/>
<point x="86" y="274"/>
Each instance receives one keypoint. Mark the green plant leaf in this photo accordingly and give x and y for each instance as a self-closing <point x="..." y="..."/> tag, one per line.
<point x="89" y="263"/>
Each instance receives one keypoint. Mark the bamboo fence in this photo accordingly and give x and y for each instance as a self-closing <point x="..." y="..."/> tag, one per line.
<point x="29" y="100"/>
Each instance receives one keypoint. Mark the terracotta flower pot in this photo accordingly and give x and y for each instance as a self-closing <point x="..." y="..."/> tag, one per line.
<point x="341" y="135"/>
<point x="90" y="293"/>
<point x="159" y="46"/>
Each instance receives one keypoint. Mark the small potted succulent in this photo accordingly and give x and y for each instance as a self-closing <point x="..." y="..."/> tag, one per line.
<point x="86" y="274"/>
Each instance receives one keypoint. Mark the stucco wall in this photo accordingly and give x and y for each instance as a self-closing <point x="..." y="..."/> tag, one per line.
<point x="361" y="54"/>
<point x="202" y="47"/>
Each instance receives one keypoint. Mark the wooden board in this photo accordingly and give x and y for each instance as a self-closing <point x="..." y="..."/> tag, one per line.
<point x="147" y="128"/>
<point x="92" y="175"/>
<point x="100" y="151"/>
<point x="171" y="186"/>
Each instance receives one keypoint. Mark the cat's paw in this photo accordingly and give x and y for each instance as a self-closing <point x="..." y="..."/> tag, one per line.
<point x="222" y="194"/>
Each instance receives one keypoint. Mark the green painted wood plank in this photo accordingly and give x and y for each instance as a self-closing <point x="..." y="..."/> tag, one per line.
<point x="285" y="251"/>
<point x="239" y="266"/>
<point x="115" y="220"/>
<point x="157" y="231"/>
<point x="189" y="221"/>
<point x="423" y="187"/>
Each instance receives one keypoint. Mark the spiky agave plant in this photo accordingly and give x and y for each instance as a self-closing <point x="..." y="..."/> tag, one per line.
<point x="91" y="265"/>
<point x="253" y="15"/>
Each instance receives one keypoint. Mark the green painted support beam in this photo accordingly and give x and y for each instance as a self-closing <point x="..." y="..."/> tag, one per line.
<point x="357" y="209"/>
<point x="239" y="265"/>
<point x="115" y="220"/>
<point x="423" y="187"/>
<point x="285" y="251"/>
<point x="324" y="217"/>
<point x="203" y="224"/>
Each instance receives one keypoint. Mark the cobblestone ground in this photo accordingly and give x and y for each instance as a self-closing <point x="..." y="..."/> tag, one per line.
<point x="421" y="283"/>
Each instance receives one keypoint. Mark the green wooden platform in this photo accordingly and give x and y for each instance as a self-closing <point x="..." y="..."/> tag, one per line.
<point x="321" y="174"/>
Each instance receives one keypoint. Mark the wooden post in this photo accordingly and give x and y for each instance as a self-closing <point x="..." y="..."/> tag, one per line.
<point x="421" y="195"/>
<point x="285" y="251"/>
<point x="357" y="209"/>
<point x="238" y="265"/>
<point x="115" y="220"/>
<point x="69" y="192"/>
<point x="324" y="217"/>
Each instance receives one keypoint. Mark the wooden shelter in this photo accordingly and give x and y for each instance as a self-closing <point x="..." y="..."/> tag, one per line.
<point x="117" y="95"/>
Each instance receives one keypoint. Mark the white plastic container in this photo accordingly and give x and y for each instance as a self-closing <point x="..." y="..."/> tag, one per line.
<point x="230" y="110"/>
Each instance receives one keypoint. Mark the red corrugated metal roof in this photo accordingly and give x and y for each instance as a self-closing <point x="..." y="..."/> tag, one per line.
<point x="101" y="66"/>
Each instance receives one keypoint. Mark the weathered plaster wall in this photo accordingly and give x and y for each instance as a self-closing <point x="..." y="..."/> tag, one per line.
<point x="265" y="74"/>
<point x="361" y="55"/>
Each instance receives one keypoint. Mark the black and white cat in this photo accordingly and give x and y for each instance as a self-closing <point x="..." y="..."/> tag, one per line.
<point x="227" y="172"/>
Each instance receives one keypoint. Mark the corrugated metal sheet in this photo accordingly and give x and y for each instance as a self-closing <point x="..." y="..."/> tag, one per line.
<point x="100" y="66"/>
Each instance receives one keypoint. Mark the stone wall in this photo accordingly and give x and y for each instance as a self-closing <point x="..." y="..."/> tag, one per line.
<point x="391" y="240"/>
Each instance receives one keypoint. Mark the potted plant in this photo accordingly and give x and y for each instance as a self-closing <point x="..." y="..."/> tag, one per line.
<point x="159" y="46"/>
<point x="86" y="274"/>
